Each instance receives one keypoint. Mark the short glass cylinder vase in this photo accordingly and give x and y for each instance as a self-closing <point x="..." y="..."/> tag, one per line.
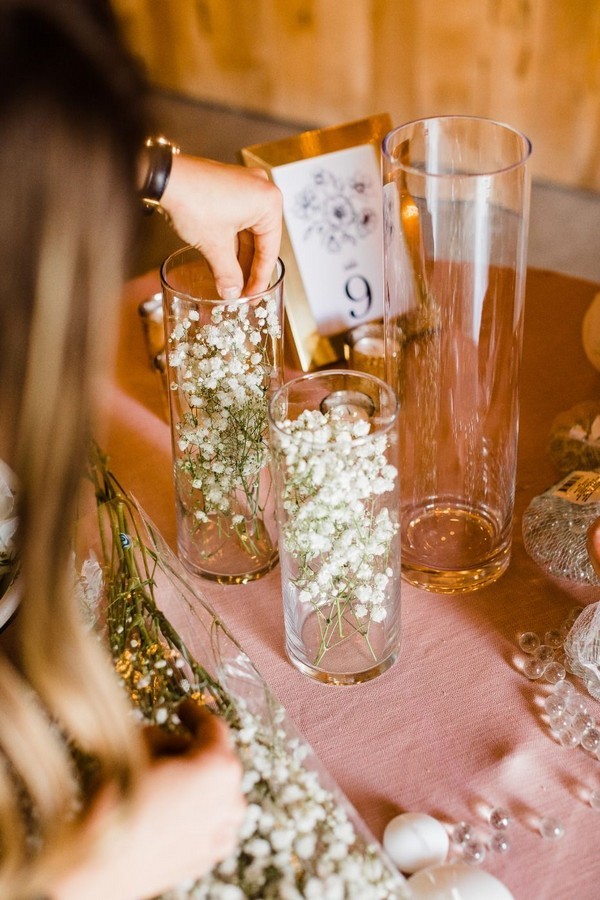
<point x="334" y="454"/>
<point x="225" y="359"/>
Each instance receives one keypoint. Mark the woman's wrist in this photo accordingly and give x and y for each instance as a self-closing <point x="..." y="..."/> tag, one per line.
<point x="155" y="170"/>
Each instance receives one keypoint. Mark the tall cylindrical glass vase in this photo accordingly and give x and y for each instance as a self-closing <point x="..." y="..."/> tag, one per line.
<point x="225" y="359"/>
<point x="456" y="210"/>
<point x="334" y="455"/>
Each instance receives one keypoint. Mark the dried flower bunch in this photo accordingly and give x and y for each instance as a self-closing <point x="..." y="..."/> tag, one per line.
<point x="298" y="839"/>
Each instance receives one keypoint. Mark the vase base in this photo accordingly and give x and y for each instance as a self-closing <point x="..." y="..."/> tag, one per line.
<point x="451" y="548"/>
<point x="228" y="577"/>
<point x="457" y="581"/>
<point x="325" y="677"/>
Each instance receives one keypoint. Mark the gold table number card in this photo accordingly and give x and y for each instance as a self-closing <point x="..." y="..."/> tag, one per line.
<point x="332" y="245"/>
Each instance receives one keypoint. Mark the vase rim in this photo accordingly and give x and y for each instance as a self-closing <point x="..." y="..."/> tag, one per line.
<point x="241" y="301"/>
<point x="526" y="146"/>
<point x="385" y="422"/>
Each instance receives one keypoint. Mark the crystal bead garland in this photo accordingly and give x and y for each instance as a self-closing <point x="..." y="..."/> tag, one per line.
<point x="577" y="643"/>
<point x="567" y="711"/>
<point x="555" y="526"/>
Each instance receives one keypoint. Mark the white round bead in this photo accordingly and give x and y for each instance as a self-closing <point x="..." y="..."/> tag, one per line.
<point x="415" y="840"/>
<point x="457" y="881"/>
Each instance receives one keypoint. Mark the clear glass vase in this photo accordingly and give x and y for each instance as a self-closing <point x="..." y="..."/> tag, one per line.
<point x="456" y="212"/>
<point x="334" y="454"/>
<point x="224" y="362"/>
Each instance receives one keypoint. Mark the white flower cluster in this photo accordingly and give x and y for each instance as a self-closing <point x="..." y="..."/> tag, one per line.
<point x="337" y="531"/>
<point x="297" y="841"/>
<point x="8" y="518"/>
<point x="223" y="373"/>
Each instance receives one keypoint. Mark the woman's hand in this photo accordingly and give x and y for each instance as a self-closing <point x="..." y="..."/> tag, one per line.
<point x="183" y="820"/>
<point x="232" y="215"/>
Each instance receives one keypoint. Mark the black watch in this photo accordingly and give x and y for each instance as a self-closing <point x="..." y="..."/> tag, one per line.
<point x="159" y="154"/>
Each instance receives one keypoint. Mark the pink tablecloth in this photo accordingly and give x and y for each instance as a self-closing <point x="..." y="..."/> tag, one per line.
<point x="453" y="728"/>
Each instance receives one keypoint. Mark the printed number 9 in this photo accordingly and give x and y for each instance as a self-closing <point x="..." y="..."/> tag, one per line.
<point x="358" y="290"/>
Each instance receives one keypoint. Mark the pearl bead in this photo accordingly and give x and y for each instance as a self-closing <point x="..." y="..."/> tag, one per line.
<point x="576" y="704"/>
<point x="568" y="738"/>
<point x="551" y="828"/>
<point x="553" y="638"/>
<point x="581" y="722"/>
<point x="544" y="653"/>
<point x="473" y="852"/>
<point x="590" y="739"/>
<point x="564" y="689"/>
<point x="554" y="704"/>
<point x="559" y="721"/>
<point x="499" y="818"/>
<point x="529" y="642"/>
<point x="462" y="832"/>
<point x="533" y="668"/>
<point x="500" y="843"/>
<point x="554" y="673"/>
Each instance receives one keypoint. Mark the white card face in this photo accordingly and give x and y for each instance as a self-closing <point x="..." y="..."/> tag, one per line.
<point x="333" y="214"/>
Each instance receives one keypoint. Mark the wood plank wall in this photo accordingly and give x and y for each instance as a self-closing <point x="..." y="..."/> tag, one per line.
<point x="532" y="63"/>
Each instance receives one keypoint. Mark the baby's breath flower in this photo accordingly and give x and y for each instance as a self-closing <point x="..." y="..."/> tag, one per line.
<point x="335" y="534"/>
<point x="223" y="375"/>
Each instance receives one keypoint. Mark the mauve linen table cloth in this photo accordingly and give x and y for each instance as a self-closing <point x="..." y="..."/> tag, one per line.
<point x="453" y="728"/>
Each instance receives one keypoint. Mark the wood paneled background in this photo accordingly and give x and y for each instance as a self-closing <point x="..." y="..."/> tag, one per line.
<point x="532" y="63"/>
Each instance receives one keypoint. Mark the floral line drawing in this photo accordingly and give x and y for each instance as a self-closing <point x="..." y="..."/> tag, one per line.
<point x="339" y="211"/>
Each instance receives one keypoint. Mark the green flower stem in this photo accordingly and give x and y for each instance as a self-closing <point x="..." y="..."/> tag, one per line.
<point x="336" y="619"/>
<point x="129" y="575"/>
<point x="338" y="615"/>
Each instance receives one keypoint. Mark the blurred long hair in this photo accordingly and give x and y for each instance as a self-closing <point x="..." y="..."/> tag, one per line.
<point x="71" y="126"/>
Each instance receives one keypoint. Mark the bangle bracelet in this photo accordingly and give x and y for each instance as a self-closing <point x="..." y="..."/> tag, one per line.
<point x="159" y="153"/>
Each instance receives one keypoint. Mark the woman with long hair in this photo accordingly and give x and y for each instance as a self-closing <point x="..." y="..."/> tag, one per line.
<point x="71" y="128"/>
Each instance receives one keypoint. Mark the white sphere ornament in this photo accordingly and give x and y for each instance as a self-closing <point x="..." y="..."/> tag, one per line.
<point x="415" y="840"/>
<point x="455" y="881"/>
